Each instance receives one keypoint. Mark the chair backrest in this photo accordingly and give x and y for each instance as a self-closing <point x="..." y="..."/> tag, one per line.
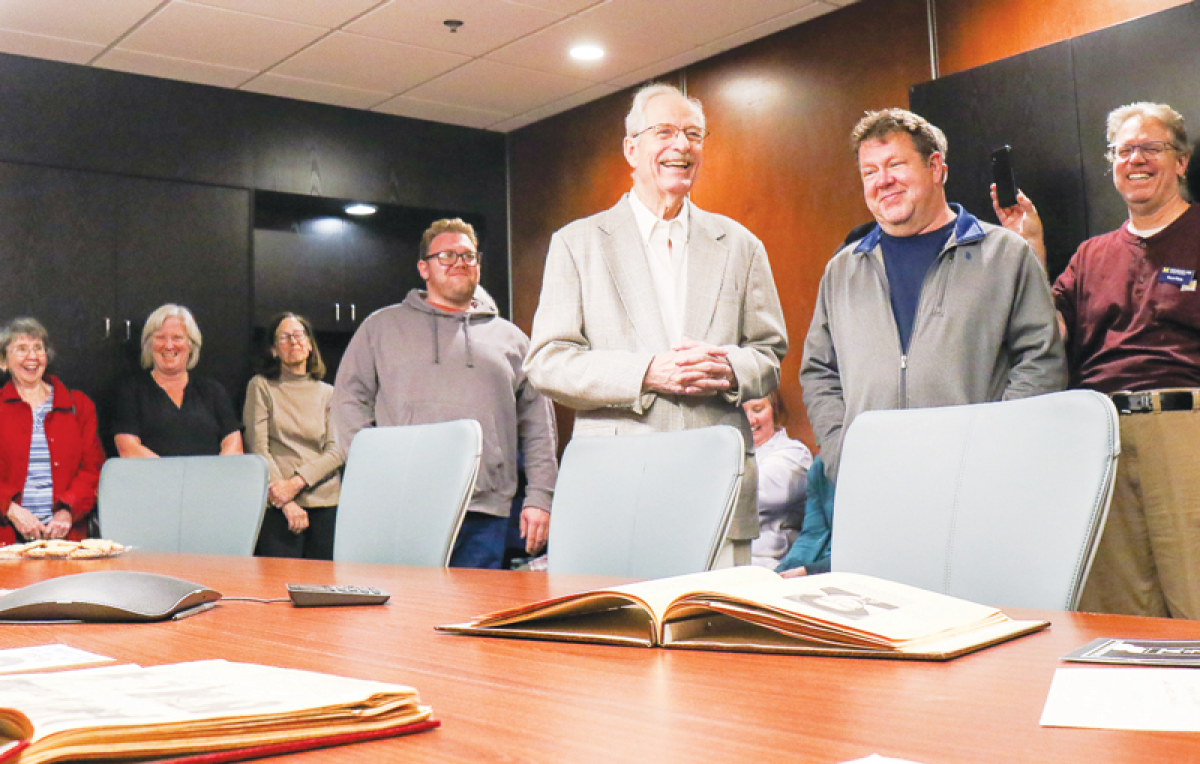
<point x="405" y="492"/>
<point x="191" y="504"/>
<point x="998" y="503"/>
<point x="645" y="506"/>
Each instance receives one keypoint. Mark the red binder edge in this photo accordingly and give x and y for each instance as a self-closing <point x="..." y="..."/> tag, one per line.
<point x="276" y="749"/>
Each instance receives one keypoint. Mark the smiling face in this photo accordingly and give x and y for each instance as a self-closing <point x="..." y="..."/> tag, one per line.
<point x="170" y="347"/>
<point x="665" y="171"/>
<point x="905" y="193"/>
<point x="450" y="286"/>
<point x="762" y="419"/>
<point x="1147" y="184"/>
<point x="292" y="346"/>
<point x="25" y="359"/>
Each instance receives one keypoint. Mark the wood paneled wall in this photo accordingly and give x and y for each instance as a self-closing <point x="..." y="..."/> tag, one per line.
<point x="781" y="110"/>
<point x="976" y="32"/>
<point x="778" y="161"/>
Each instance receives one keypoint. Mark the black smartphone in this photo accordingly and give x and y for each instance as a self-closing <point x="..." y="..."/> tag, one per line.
<point x="1004" y="177"/>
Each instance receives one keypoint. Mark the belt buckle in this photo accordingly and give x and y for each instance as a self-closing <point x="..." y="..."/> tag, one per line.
<point x="1141" y="402"/>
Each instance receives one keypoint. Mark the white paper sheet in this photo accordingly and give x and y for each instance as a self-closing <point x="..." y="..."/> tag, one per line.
<point x="45" y="656"/>
<point x="1126" y="698"/>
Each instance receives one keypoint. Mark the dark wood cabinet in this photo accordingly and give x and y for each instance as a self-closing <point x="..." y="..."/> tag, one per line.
<point x="311" y="258"/>
<point x="91" y="255"/>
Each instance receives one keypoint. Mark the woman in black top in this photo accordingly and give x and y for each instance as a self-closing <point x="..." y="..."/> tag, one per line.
<point x="169" y="411"/>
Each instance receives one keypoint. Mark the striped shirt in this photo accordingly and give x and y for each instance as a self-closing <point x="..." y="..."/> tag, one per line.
<point x="38" y="496"/>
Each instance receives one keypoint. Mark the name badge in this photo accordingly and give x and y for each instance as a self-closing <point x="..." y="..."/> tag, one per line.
<point x="1180" y="277"/>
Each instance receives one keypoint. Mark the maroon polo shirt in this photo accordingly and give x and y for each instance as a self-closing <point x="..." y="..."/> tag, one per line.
<point x="1132" y="309"/>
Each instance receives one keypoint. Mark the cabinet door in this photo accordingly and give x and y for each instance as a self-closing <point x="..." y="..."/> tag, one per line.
<point x="300" y="271"/>
<point x="189" y="244"/>
<point x="380" y="268"/>
<point x="57" y="246"/>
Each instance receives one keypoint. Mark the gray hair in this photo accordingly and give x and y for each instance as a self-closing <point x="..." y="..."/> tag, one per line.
<point x="635" y="120"/>
<point x="878" y="125"/>
<point x="24" y="326"/>
<point x="1170" y="119"/>
<point x="155" y="322"/>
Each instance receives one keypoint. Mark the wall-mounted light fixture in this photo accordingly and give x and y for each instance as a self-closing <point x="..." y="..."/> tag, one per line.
<point x="360" y="209"/>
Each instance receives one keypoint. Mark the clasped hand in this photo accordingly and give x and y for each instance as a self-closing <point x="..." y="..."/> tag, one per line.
<point x="690" y="368"/>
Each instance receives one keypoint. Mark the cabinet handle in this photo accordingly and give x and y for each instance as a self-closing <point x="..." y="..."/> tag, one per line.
<point x="337" y="311"/>
<point x="352" y="318"/>
<point x="107" y="328"/>
<point x="127" y="326"/>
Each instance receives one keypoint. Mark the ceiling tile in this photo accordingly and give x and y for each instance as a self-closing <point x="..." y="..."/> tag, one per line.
<point x="487" y="24"/>
<point x="83" y="20"/>
<point x="321" y="92"/>
<point x="694" y="21"/>
<point x="562" y="6"/>
<point x="559" y="106"/>
<point x="174" y="68"/>
<point x="626" y="50"/>
<point x="329" y="14"/>
<point x="497" y="87"/>
<point x="368" y="64"/>
<point x="216" y="36"/>
<point x="53" y="48"/>
<point x="403" y="106"/>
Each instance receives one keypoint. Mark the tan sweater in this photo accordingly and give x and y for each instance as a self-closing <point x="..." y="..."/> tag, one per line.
<point x="287" y="421"/>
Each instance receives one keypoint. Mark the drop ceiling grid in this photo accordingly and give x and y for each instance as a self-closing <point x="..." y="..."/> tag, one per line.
<point x="505" y="68"/>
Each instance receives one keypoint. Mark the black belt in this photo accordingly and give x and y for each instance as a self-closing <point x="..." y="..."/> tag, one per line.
<point x="1149" y="401"/>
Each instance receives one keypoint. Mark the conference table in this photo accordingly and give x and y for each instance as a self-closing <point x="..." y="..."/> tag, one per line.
<point x="506" y="700"/>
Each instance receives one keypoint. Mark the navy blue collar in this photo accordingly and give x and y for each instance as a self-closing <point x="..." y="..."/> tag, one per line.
<point x="967" y="229"/>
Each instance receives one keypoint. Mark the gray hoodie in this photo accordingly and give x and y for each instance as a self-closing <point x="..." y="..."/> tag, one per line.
<point x="414" y="363"/>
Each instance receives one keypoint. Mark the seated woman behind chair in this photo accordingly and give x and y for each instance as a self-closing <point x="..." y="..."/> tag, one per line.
<point x="287" y="421"/>
<point x="782" y="468"/>
<point x="169" y="411"/>
<point x="50" y="453"/>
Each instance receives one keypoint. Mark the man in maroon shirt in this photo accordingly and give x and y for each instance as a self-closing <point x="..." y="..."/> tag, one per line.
<point x="1130" y="315"/>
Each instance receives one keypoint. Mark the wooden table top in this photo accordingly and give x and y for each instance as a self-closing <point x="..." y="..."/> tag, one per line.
<point x="520" y="700"/>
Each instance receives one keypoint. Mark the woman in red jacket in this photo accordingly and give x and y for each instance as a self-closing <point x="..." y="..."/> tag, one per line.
<point x="50" y="454"/>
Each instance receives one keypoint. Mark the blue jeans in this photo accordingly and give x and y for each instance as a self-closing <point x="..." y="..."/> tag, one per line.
<point x="480" y="542"/>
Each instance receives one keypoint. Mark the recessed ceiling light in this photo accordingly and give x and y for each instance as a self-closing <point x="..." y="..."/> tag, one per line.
<point x="587" y="53"/>
<point x="360" y="209"/>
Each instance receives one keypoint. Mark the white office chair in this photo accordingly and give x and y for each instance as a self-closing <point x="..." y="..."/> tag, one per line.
<point x="998" y="503"/>
<point x="405" y="492"/>
<point x="645" y="506"/>
<point x="190" y="504"/>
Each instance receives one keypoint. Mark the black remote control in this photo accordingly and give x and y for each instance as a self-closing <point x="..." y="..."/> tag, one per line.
<point x="314" y="595"/>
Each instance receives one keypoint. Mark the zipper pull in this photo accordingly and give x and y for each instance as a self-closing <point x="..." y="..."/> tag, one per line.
<point x="903" y="362"/>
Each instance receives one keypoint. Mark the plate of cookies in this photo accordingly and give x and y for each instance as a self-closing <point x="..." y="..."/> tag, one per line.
<point x="61" y="549"/>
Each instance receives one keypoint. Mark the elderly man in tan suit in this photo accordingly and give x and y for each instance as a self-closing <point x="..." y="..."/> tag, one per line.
<point x="656" y="315"/>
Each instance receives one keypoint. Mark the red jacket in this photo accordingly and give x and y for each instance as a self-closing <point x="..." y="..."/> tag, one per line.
<point x="75" y="453"/>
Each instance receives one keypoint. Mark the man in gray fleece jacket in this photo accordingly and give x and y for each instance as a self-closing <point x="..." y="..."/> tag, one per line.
<point x="445" y="354"/>
<point x="933" y="307"/>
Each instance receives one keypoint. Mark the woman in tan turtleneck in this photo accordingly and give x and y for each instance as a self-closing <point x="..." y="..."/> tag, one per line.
<point x="287" y="422"/>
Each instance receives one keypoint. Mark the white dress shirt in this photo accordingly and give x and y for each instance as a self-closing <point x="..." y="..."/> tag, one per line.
<point x="665" y="242"/>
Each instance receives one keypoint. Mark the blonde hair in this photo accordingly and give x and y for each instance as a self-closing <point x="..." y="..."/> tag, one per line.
<point x="447" y="225"/>
<point x="155" y="321"/>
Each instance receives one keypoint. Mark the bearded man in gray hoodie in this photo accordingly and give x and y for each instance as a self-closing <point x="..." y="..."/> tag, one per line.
<point x="444" y="354"/>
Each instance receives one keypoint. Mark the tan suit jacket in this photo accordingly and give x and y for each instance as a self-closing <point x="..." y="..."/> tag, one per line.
<point x="598" y="325"/>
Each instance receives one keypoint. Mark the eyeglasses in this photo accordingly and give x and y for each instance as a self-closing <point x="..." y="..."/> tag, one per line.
<point x="1149" y="149"/>
<point x="26" y="350"/>
<point x="668" y="133"/>
<point x="449" y="257"/>
<point x="297" y="337"/>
